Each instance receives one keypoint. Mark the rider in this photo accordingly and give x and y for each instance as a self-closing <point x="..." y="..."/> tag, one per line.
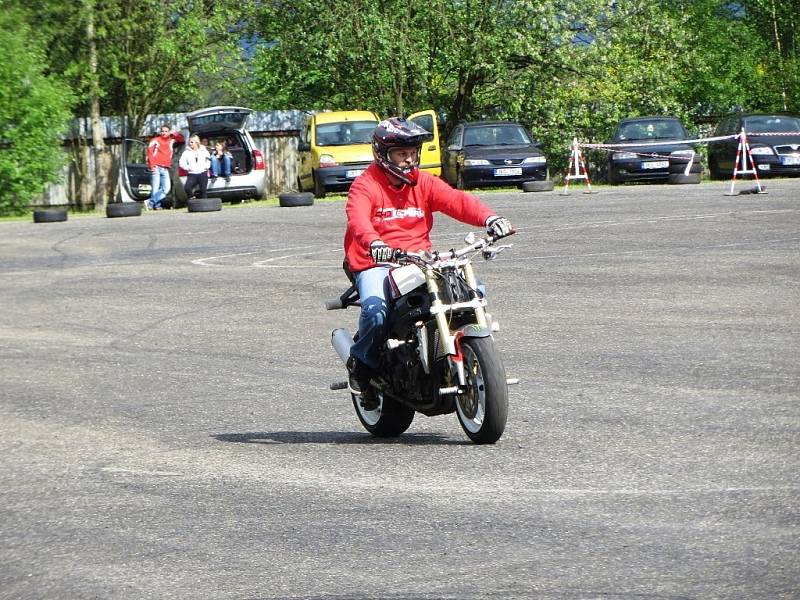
<point x="390" y="206"/>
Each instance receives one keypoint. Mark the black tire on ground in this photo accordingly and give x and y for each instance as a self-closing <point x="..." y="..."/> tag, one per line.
<point x="204" y="204"/>
<point x="296" y="199"/>
<point x="612" y="177"/>
<point x="483" y="409"/>
<point x="538" y="186"/>
<point x="49" y="216"/>
<point x="123" y="209"/>
<point x="680" y="178"/>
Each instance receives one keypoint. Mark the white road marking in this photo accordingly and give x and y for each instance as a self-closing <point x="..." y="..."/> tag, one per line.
<point x="278" y="262"/>
<point x="203" y="262"/>
<point x="266" y="263"/>
<point x="678" y="249"/>
<point x="140" y="472"/>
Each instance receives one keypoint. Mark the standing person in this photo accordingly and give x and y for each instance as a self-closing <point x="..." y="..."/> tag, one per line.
<point x="195" y="161"/>
<point x="159" y="161"/>
<point x="221" y="161"/>
<point x="390" y="206"/>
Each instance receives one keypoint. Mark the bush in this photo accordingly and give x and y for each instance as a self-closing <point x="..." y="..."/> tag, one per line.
<point x="34" y="112"/>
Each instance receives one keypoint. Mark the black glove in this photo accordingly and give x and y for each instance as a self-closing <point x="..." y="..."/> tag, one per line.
<point x="380" y="252"/>
<point x="498" y="226"/>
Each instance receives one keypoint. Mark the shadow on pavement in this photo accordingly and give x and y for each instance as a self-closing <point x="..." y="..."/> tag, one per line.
<point x="334" y="437"/>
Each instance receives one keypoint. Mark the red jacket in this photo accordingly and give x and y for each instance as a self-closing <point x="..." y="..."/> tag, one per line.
<point x="401" y="217"/>
<point x="159" y="150"/>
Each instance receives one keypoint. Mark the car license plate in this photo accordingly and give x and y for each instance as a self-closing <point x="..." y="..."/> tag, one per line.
<point x="790" y="160"/>
<point x="656" y="164"/>
<point x="510" y="172"/>
<point x="353" y="173"/>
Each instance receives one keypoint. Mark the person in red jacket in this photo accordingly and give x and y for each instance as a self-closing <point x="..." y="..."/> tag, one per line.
<point x="390" y="206"/>
<point x="159" y="161"/>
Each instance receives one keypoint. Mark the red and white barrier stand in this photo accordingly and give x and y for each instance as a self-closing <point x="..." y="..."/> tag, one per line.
<point x="576" y="162"/>
<point x="743" y="151"/>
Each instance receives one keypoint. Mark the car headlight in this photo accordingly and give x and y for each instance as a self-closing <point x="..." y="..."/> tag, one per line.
<point x="682" y="153"/>
<point x="475" y="162"/>
<point x="761" y="150"/>
<point x="624" y="155"/>
<point x="534" y="160"/>
<point x="326" y="160"/>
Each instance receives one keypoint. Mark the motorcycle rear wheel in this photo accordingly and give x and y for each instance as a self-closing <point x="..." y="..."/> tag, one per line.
<point x="483" y="409"/>
<point x="390" y="419"/>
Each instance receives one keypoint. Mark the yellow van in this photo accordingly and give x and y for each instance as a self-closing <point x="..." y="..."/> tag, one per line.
<point x="336" y="147"/>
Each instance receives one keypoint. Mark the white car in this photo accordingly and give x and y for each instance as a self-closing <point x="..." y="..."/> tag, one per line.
<point x="248" y="169"/>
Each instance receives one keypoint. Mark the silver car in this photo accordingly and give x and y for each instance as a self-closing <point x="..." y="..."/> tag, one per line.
<point x="248" y="169"/>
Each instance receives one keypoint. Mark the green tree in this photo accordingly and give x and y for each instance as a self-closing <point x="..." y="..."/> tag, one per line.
<point x="460" y="56"/>
<point x="132" y="58"/>
<point x="155" y="54"/>
<point x="34" y="113"/>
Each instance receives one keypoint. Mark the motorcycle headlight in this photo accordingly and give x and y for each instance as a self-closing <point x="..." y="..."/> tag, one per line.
<point x="624" y="155"/>
<point x="761" y="150"/>
<point x="475" y="162"/>
<point x="534" y="160"/>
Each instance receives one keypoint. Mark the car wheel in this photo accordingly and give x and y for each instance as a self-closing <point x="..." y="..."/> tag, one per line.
<point x="204" y="204"/>
<point x="49" y="216"/>
<point x="538" y="186"/>
<point x="613" y="178"/>
<point x="680" y="178"/>
<point x="296" y="199"/>
<point x="319" y="187"/>
<point x="123" y="209"/>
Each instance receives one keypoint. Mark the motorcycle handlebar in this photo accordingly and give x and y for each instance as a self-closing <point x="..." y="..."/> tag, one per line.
<point x="483" y="242"/>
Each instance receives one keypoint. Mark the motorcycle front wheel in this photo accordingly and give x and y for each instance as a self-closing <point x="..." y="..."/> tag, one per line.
<point x="390" y="419"/>
<point x="483" y="408"/>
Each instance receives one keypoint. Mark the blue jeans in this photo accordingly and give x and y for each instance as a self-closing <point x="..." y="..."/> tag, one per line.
<point x="224" y="163"/>
<point x="373" y="289"/>
<point x="159" y="185"/>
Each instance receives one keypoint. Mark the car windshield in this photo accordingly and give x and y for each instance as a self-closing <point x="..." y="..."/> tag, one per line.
<point x="496" y="135"/>
<point x="770" y="124"/>
<point x="345" y="133"/>
<point x="651" y="129"/>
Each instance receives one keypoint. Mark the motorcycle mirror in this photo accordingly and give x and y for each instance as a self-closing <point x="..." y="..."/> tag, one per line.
<point x="469" y="239"/>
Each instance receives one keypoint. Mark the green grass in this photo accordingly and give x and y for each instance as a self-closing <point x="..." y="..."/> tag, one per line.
<point x="73" y="213"/>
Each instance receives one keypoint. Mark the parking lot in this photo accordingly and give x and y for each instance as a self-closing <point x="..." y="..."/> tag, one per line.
<point x="168" y="431"/>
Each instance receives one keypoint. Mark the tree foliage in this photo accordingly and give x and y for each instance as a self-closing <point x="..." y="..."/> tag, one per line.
<point x="34" y="112"/>
<point x="154" y="55"/>
<point x="564" y="67"/>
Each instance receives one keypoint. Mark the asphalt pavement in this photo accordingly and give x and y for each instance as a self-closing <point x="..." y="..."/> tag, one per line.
<point x="167" y="431"/>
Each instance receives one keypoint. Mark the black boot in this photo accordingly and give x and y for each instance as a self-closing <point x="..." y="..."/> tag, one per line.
<point x="358" y="383"/>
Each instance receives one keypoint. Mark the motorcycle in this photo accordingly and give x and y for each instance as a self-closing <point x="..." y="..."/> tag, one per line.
<point x="439" y="356"/>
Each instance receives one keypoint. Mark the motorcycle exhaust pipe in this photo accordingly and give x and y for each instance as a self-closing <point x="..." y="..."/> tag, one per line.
<point x="341" y="341"/>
